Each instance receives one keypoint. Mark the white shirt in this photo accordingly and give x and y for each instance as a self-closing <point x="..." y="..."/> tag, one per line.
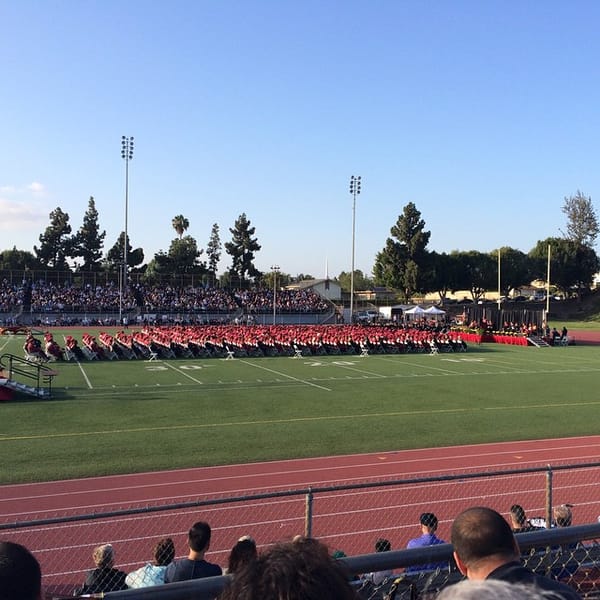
<point x="147" y="576"/>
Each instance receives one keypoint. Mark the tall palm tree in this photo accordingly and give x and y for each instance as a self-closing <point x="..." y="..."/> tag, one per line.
<point x="180" y="225"/>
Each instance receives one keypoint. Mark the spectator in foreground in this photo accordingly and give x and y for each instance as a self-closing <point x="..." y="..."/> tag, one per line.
<point x="104" y="578"/>
<point x="194" y="566"/>
<point x="563" y="515"/>
<point x="485" y="548"/>
<point x="20" y="573"/>
<point x="492" y="589"/>
<point x="241" y="554"/>
<point x="429" y="524"/>
<point x="378" y="577"/>
<point x="299" y="570"/>
<point x="519" y="521"/>
<point x="153" y="573"/>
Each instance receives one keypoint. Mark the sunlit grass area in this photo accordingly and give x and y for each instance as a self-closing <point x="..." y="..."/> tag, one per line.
<point x="128" y="416"/>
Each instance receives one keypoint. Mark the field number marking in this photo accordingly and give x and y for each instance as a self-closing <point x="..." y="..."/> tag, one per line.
<point x="339" y="363"/>
<point x="182" y="367"/>
<point x="463" y="359"/>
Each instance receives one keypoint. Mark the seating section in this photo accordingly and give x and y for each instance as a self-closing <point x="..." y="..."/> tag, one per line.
<point x="237" y="341"/>
<point x="108" y="298"/>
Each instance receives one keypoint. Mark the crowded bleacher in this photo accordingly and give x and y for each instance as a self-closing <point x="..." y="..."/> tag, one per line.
<point x="48" y="297"/>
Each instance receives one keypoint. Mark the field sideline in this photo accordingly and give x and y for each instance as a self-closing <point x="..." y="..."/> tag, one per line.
<point x="134" y="416"/>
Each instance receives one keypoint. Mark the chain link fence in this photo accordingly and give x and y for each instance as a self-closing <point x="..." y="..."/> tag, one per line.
<point x="349" y="518"/>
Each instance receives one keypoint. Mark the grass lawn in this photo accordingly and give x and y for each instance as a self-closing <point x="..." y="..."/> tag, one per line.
<point x="592" y="324"/>
<point x="131" y="416"/>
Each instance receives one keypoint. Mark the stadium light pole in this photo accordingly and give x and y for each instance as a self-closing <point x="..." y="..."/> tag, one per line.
<point x="499" y="282"/>
<point x="126" y="155"/>
<point x="354" y="190"/>
<point x="275" y="269"/>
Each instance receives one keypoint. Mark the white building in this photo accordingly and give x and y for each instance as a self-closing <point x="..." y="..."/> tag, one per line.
<point x="324" y="287"/>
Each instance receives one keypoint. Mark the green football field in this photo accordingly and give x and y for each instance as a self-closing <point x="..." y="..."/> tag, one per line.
<point x="130" y="416"/>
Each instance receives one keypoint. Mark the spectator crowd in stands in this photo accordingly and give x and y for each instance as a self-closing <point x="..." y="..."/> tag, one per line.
<point x="48" y="297"/>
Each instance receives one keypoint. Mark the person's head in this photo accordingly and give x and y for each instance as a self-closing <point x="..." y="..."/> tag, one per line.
<point x="492" y="589"/>
<point x="563" y="516"/>
<point x="517" y="516"/>
<point x="164" y="552"/>
<point x="428" y="521"/>
<point x="199" y="536"/>
<point x="104" y="556"/>
<point x="241" y="554"/>
<point x="482" y="538"/>
<point x="382" y="545"/>
<point x="300" y="570"/>
<point x="20" y="573"/>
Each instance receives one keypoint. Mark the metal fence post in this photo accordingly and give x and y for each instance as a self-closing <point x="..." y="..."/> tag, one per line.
<point x="549" y="475"/>
<point x="308" y="514"/>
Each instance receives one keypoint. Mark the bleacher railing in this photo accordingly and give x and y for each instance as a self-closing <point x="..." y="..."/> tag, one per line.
<point x="347" y="517"/>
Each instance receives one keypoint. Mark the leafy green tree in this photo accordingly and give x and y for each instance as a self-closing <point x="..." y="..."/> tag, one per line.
<point x="389" y="263"/>
<point x="114" y="256"/>
<point x="213" y="252"/>
<point x="17" y="260"/>
<point x="572" y="266"/>
<point x="582" y="222"/>
<point x="184" y="255"/>
<point x="268" y="278"/>
<point x="88" y="241"/>
<point x="158" y="269"/>
<point x="361" y="281"/>
<point x="241" y="249"/>
<point x="56" y="243"/>
<point x="180" y="225"/>
<point x="516" y="269"/>
<point x="230" y="280"/>
<point x="182" y="259"/>
<point x="441" y="274"/>
<point x="302" y="277"/>
<point x="401" y="264"/>
<point x="477" y="272"/>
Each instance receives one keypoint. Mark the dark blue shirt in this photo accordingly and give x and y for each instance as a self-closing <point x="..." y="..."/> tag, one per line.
<point x="185" y="569"/>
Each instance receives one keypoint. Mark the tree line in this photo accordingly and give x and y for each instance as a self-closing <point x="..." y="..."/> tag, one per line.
<point x="404" y="264"/>
<point x="62" y="250"/>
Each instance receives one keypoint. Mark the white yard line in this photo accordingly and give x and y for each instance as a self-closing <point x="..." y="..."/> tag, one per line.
<point x="356" y="370"/>
<point x="87" y="379"/>
<point x="286" y="375"/>
<point x="182" y="373"/>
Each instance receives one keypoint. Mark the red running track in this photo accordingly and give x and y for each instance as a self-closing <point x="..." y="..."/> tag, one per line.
<point x="351" y="520"/>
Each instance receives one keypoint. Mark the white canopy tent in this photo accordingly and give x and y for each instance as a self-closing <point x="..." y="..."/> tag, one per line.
<point x="434" y="310"/>
<point x="415" y="313"/>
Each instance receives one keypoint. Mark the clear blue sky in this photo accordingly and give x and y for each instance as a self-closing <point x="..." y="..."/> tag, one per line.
<point x="485" y="114"/>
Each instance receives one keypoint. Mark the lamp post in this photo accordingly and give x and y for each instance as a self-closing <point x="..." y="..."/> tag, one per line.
<point x="499" y="283"/>
<point x="275" y="269"/>
<point x="126" y="155"/>
<point x="354" y="190"/>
